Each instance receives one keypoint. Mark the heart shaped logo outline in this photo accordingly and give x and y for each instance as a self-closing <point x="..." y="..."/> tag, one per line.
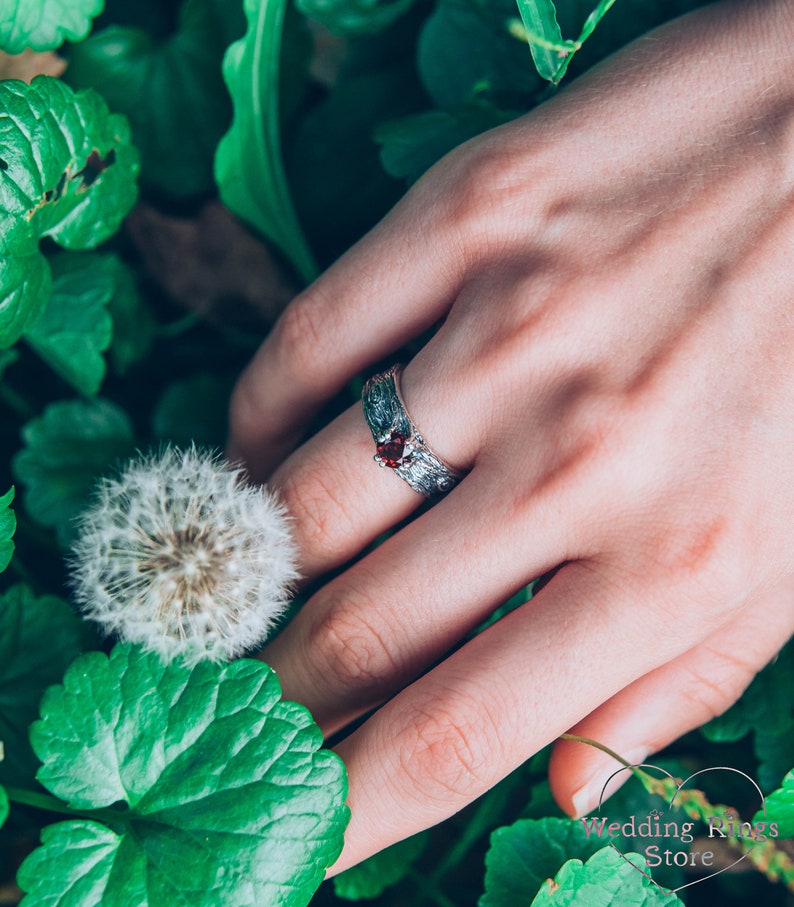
<point x="658" y="768"/>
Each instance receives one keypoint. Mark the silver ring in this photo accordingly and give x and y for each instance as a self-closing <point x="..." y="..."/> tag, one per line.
<point x="398" y="442"/>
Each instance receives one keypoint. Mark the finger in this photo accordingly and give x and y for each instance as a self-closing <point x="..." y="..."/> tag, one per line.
<point x="454" y="733"/>
<point x="671" y="700"/>
<point x="390" y="287"/>
<point x="341" y="502"/>
<point x="338" y="499"/>
<point x="375" y="627"/>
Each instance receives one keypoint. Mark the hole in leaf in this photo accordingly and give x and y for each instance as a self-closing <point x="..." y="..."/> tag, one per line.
<point x="57" y="192"/>
<point x="3" y="164"/>
<point x="95" y="166"/>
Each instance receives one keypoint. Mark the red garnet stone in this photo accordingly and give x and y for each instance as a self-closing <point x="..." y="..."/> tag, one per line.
<point x="390" y="451"/>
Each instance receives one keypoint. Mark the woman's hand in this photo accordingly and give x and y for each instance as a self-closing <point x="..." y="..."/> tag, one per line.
<point x="616" y="371"/>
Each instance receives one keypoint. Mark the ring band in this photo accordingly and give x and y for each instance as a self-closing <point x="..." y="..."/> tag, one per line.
<point x="398" y="443"/>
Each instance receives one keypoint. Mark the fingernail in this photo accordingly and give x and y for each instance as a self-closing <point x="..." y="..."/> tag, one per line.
<point x="589" y="795"/>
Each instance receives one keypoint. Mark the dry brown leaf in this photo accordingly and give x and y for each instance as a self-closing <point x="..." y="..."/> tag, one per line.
<point x="30" y="63"/>
<point x="211" y="264"/>
<point x="10" y="894"/>
<point x="328" y="54"/>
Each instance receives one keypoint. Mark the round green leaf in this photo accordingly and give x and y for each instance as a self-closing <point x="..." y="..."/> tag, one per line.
<point x="605" y="880"/>
<point x="77" y="882"/>
<point x="523" y="855"/>
<point x="39" y="637"/>
<point x="220" y="791"/>
<point x="45" y="24"/>
<point x="67" y="171"/>
<point x="8" y="525"/>
<point x="75" y="327"/>
<point x="66" y="449"/>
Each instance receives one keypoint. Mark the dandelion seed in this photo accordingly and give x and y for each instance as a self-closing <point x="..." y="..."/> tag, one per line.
<point x="180" y="554"/>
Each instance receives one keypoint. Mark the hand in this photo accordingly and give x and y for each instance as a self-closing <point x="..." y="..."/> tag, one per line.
<point x="615" y="370"/>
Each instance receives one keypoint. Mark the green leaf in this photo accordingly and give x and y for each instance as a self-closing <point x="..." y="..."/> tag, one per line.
<point x="523" y="855"/>
<point x="3" y="806"/>
<point x="605" y="880"/>
<point x="75" y="328"/>
<point x="94" y="306"/>
<point x="248" y="165"/>
<point x="45" y="24"/>
<point x="780" y="808"/>
<point x="411" y="145"/>
<point x="598" y="13"/>
<point x="66" y="449"/>
<point x="552" y="53"/>
<point x="193" y="410"/>
<point x="39" y="637"/>
<point x="67" y="171"/>
<point x="171" y="90"/>
<point x="221" y="793"/>
<point x="544" y="35"/>
<point x="372" y="877"/>
<point x="466" y="52"/>
<point x="354" y="17"/>
<point x="8" y="525"/>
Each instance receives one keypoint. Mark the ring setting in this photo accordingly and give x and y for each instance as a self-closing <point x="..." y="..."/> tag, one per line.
<point x="398" y="443"/>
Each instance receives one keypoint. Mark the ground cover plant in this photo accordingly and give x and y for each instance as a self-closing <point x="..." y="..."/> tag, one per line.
<point x="129" y="779"/>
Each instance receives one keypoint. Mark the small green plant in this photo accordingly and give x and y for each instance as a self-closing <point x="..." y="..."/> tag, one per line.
<point x="129" y="779"/>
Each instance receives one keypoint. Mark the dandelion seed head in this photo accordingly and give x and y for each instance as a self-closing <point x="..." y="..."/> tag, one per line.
<point x="178" y="553"/>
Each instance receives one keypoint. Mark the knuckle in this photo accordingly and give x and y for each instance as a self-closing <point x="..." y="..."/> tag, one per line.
<point x="710" y="692"/>
<point x="485" y="176"/>
<point x="446" y="749"/>
<point x="349" y="647"/>
<point x="700" y="557"/>
<point x="692" y="559"/>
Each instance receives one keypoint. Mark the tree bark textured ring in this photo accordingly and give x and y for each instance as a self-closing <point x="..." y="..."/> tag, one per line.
<point x="399" y="444"/>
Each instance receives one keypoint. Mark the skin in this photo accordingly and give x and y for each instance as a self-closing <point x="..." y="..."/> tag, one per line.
<point x="615" y="370"/>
